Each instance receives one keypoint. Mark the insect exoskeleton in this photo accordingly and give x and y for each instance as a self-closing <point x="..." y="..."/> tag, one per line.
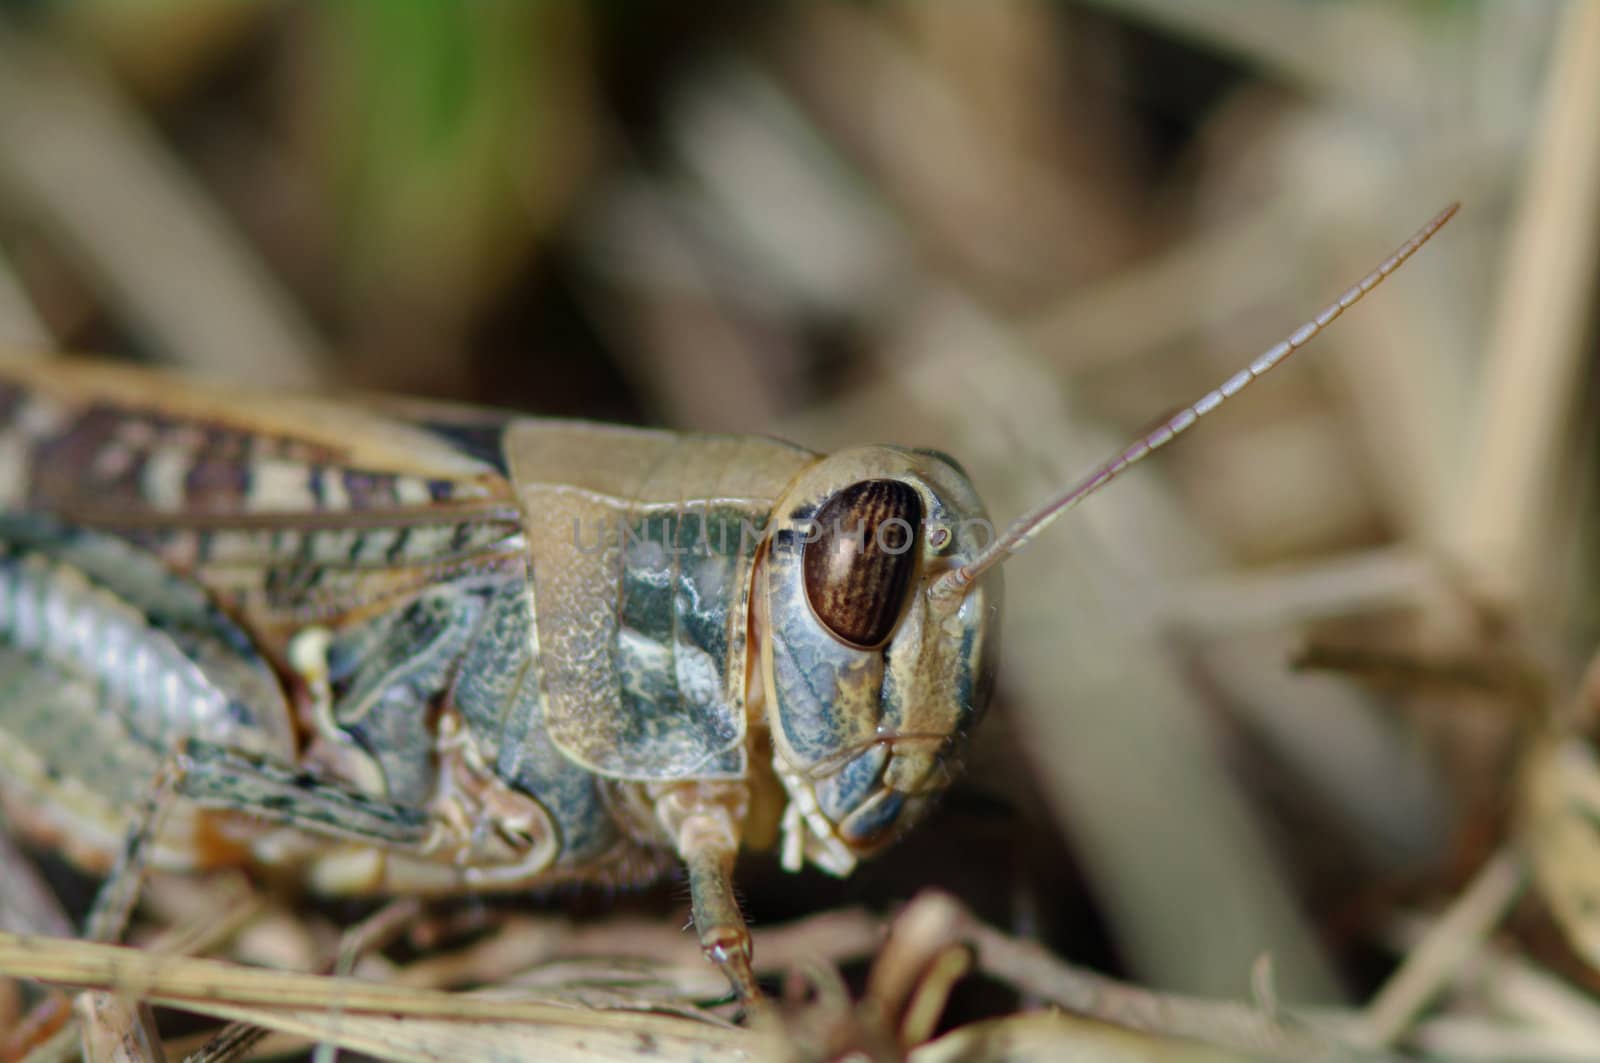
<point x="870" y="682"/>
<point x="413" y="649"/>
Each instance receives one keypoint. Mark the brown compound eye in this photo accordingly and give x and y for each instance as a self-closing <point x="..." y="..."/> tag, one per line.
<point x="859" y="565"/>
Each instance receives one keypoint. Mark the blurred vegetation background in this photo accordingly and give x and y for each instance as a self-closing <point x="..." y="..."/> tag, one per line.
<point x="1017" y="231"/>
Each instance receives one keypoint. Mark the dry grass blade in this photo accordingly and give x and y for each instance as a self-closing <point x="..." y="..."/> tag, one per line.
<point x="420" y="1040"/>
<point x="1222" y="1024"/>
<point x="81" y="163"/>
<point x="1537" y="350"/>
<point x="116" y="1030"/>
<point x="179" y="979"/>
<point x="390" y="1020"/>
<point x="234" y="1041"/>
<point x="1472" y="1040"/>
<point x="525" y="946"/>
<point x="1286" y="596"/>
<point x="1435" y="961"/>
<point x="923" y="937"/>
<point x="925" y="954"/>
<point x="21" y="328"/>
<point x="1514" y="1010"/>
<point x="1560" y="801"/>
<point x="1048" y="1037"/>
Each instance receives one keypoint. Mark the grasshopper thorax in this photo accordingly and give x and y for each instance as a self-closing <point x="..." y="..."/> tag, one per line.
<point x="870" y="681"/>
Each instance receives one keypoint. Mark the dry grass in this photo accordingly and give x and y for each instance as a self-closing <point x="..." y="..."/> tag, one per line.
<point x="1016" y="231"/>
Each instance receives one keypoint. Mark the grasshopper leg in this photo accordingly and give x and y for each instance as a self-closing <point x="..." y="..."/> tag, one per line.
<point x="717" y="920"/>
<point x="703" y="820"/>
<point x="225" y="779"/>
<point x="114" y="1027"/>
<point x="115" y="902"/>
<point x="220" y="778"/>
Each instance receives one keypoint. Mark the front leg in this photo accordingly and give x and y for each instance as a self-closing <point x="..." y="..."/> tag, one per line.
<point x="703" y="821"/>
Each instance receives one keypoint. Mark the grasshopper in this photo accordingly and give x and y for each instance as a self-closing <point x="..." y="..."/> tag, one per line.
<point x="410" y="649"/>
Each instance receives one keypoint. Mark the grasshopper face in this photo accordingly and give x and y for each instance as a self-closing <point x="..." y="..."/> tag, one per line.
<point x="870" y="683"/>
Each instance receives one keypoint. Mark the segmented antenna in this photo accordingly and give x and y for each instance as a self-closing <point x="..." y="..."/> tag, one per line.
<point x="1026" y="527"/>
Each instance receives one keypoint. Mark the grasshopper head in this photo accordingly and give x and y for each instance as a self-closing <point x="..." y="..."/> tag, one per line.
<point x="870" y="681"/>
<point x="880" y="611"/>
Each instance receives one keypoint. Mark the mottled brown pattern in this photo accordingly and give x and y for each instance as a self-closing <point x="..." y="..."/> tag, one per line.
<point x="79" y="459"/>
<point x="369" y="490"/>
<point x="222" y="443"/>
<point x="857" y="570"/>
<point x="96" y="455"/>
<point x="216" y="484"/>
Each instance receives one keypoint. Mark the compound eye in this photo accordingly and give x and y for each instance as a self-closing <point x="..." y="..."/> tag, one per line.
<point x="860" y="563"/>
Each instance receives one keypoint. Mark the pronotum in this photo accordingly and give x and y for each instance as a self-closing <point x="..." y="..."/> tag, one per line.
<point x="410" y="649"/>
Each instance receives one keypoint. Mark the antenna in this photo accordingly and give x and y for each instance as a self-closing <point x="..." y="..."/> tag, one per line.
<point x="1031" y="524"/>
